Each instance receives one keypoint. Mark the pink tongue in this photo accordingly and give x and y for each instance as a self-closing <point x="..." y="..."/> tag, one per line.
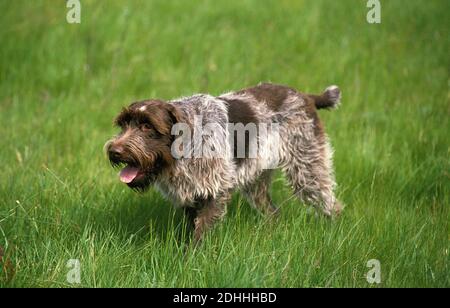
<point x="128" y="174"/>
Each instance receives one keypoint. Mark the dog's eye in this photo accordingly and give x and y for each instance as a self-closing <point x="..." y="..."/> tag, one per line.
<point x="148" y="129"/>
<point x="145" y="127"/>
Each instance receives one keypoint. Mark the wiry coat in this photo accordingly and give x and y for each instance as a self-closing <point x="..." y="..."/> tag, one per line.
<point x="203" y="185"/>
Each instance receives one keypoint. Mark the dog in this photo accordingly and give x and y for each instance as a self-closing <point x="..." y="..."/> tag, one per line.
<point x="152" y="151"/>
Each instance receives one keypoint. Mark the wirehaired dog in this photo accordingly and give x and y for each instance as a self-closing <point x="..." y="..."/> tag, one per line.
<point x="158" y="139"/>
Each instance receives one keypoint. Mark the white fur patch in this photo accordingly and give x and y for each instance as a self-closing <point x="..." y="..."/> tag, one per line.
<point x="334" y="94"/>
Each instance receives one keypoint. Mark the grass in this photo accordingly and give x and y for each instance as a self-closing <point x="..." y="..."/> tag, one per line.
<point x="61" y="85"/>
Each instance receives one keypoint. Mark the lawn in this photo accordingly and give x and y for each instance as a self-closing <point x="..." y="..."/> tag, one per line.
<point x="61" y="85"/>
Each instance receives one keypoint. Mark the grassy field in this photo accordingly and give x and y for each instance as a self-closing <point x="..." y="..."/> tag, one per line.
<point x="61" y="85"/>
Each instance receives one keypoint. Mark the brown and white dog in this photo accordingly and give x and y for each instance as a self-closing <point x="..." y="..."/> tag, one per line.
<point x="152" y="150"/>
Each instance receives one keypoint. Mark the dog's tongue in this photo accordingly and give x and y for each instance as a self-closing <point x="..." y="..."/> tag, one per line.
<point x="128" y="174"/>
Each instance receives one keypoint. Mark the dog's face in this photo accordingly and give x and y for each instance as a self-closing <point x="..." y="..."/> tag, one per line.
<point x="143" y="147"/>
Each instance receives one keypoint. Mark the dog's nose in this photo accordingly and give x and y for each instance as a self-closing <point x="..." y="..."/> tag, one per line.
<point x="115" y="151"/>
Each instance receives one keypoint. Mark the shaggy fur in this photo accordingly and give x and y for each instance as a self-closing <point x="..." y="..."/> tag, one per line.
<point x="203" y="186"/>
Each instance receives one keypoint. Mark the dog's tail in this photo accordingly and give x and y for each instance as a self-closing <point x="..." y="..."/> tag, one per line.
<point x="330" y="98"/>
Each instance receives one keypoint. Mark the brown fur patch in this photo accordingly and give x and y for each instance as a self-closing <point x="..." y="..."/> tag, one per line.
<point x="273" y="95"/>
<point x="311" y="111"/>
<point x="240" y="112"/>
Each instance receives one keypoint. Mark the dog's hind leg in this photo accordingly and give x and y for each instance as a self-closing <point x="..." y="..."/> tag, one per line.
<point x="258" y="194"/>
<point x="310" y="172"/>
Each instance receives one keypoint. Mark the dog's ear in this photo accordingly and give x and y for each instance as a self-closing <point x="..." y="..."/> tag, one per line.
<point x="162" y="115"/>
<point x="175" y="114"/>
<point x="123" y="117"/>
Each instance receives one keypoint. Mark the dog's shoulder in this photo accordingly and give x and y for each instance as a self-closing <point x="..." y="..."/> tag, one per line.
<point x="205" y="106"/>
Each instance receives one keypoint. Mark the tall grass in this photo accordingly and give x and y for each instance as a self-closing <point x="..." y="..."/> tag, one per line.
<point x="61" y="85"/>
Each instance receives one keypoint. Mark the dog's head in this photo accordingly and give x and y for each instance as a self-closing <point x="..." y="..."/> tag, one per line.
<point x="143" y="147"/>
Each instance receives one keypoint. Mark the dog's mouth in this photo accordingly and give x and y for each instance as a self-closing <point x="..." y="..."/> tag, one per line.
<point x="130" y="174"/>
<point x="134" y="174"/>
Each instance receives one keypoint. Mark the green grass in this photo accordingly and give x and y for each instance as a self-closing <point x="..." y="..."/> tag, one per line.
<point x="61" y="85"/>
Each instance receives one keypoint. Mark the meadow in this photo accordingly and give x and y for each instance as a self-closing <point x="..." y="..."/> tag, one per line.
<point x="62" y="84"/>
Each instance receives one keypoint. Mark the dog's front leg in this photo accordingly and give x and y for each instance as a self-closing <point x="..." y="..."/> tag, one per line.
<point x="209" y="212"/>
